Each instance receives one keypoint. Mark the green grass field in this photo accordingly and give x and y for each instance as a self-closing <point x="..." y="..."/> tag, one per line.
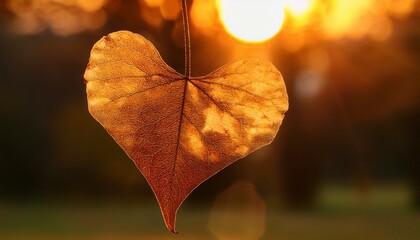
<point x="385" y="216"/>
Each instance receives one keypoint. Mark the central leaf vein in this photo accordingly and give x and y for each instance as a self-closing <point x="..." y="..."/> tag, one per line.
<point x="184" y="94"/>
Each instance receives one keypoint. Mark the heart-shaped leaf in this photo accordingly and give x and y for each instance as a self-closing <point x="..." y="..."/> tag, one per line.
<point x="180" y="131"/>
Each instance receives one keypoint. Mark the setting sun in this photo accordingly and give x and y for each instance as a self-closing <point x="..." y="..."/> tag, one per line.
<point x="252" y="21"/>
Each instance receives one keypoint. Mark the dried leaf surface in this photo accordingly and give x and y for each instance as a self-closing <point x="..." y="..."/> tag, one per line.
<point x="180" y="131"/>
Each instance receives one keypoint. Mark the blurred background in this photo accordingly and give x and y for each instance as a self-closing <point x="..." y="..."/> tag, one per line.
<point x="344" y="165"/>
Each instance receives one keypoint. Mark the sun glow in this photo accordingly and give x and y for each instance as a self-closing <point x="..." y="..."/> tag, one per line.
<point x="252" y="21"/>
<point x="299" y="7"/>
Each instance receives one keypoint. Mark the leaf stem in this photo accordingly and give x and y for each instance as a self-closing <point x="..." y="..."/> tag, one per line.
<point x="187" y="45"/>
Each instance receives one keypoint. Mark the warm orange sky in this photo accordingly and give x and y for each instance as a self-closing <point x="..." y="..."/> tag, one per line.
<point x="248" y="20"/>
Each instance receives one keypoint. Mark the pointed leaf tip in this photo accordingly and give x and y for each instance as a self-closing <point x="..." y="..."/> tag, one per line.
<point x="179" y="131"/>
<point x="169" y="217"/>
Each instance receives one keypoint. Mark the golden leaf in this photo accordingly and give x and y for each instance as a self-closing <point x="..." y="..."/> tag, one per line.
<point x="180" y="131"/>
